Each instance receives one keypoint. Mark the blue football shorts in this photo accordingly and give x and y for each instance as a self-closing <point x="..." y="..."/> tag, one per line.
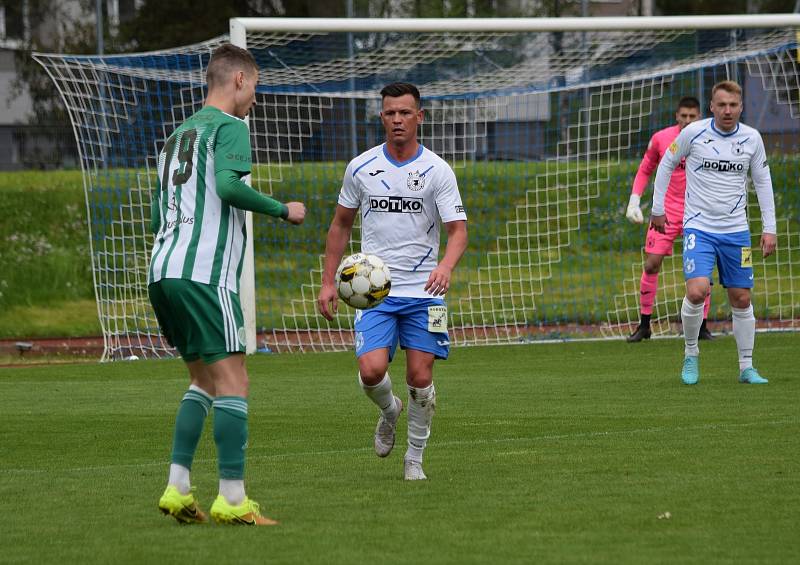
<point x="731" y="252"/>
<point x="414" y="323"/>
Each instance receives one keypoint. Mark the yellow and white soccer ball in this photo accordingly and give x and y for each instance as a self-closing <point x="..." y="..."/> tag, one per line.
<point x="363" y="281"/>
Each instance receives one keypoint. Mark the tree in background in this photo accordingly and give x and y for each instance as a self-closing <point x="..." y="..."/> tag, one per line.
<point x="54" y="28"/>
<point x="713" y="7"/>
<point x="161" y="25"/>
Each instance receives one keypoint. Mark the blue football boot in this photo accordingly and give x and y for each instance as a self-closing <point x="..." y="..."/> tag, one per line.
<point x="690" y="373"/>
<point x="750" y="376"/>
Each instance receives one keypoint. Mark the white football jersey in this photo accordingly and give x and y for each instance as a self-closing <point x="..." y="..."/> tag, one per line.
<point x="716" y="177"/>
<point x="402" y="207"/>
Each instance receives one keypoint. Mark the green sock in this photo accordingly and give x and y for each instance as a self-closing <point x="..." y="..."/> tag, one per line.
<point x="189" y="425"/>
<point x="230" y="435"/>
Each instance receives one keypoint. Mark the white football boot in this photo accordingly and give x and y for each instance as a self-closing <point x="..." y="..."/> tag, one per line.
<point x="385" y="431"/>
<point x="413" y="470"/>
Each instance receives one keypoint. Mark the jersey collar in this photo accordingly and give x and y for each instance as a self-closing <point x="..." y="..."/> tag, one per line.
<point x="217" y="110"/>
<point x="722" y="133"/>
<point x="391" y="159"/>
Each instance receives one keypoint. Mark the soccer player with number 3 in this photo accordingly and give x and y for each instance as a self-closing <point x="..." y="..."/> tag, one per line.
<point x="404" y="192"/>
<point x="719" y="152"/>
<point x="659" y="245"/>
<point x="198" y="218"/>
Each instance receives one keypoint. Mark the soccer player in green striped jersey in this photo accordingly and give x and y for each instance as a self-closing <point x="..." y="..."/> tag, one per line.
<point x="198" y="218"/>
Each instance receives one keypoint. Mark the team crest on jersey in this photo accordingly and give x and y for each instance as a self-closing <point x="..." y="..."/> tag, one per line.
<point x="673" y="148"/>
<point x="736" y="149"/>
<point x="415" y="181"/>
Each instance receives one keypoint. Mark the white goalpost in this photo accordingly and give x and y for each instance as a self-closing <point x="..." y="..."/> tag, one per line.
<point x="543" y="120"/>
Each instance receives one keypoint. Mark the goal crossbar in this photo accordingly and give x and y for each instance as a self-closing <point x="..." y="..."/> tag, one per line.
<point x="422" y="25"/>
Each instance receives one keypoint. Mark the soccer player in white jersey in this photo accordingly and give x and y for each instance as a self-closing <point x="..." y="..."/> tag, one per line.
<point x="198" y="218"/>
<point x="719" y="151"/>
<point x="403" y="192"/>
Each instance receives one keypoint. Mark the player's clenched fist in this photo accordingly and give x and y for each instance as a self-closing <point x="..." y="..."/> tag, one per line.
<point x="297" y="212"/>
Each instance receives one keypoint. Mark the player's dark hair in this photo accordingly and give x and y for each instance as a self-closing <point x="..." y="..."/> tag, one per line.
<point x="225" y="59"/>
<point x="397" y="89"/>
<point x="689" y="102"/>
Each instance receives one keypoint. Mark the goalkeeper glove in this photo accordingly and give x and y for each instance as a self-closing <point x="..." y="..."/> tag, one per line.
<point x="634" y="213"/>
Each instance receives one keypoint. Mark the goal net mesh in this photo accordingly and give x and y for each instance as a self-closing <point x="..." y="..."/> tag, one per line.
<point x="545" y="132"/>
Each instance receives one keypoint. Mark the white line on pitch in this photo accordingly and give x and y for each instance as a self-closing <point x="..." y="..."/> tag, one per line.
<point x="444" y="444"/>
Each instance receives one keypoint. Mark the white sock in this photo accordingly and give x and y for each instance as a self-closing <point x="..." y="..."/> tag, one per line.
<point x="199" y="390"/>
<point x="744" y="330"/>
<point x="421" y="406"/>
<point x="179" y="478"/>
<point x="232" y="490"/>
<point x="692" y="317"/>
<point x="381" y="394"/>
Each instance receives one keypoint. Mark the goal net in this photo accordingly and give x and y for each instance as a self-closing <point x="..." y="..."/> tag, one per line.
<point x="544" y="129"/>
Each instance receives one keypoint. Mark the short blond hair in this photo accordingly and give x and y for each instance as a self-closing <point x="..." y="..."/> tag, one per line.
<point x="225" y="59"/>
<point x="728" y="86"/>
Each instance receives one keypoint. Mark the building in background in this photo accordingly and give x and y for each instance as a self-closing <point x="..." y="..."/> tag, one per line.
<point x="31" y="139"/>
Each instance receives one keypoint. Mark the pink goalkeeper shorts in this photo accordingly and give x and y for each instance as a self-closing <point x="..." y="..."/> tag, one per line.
<point x="662" y="243"/>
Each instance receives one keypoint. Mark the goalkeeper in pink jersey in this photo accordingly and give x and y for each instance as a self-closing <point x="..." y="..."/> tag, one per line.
<point x="658" y="245"/>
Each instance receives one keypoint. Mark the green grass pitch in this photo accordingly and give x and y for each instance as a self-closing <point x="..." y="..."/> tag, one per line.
<point x="589" y="452"/>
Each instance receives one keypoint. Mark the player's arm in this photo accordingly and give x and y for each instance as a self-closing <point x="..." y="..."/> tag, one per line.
<point x="232" y="190"/>
<point x="338" y="236"/>
<point x="439" y="279"/>
<point x="451" y="211"/>
<point x="155" y="198"/>
<point x="155" y="211"/>
<point x="646" y="169"/>
<point x="672" y="157"/>
<point x="232" y="155"/>
<point x="762" y="180"/>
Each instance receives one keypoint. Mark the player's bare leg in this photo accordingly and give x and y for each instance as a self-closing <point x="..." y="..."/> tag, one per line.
<point x="421" y="407"/>
<point x="374" y="379"/>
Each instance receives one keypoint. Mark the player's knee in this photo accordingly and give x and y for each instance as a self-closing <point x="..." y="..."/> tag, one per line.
<point x="371" y="373"/>
<point x="696" y="296"/>
<point x="419" y="375"/>
<point x="239" y="386"/>
<point x="696" y="293"/>
<point x="652" y="268"/>
<point x="740" y="301"/>
<point x="419" y="380"/>
<point x="230" y="376"/>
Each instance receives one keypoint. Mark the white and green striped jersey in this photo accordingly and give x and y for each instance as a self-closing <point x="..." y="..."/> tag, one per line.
<point x="201" y="237"/>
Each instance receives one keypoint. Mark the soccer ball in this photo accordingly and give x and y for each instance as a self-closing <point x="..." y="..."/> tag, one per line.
<point x="363" y="281"/>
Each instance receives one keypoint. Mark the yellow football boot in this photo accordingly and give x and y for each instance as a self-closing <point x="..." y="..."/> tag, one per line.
<point x="248" y="513"/>
<point x="182" y="507"/>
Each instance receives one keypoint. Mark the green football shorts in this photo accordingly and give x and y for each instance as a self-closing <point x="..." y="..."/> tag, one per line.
<point x="199" y="320"/>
